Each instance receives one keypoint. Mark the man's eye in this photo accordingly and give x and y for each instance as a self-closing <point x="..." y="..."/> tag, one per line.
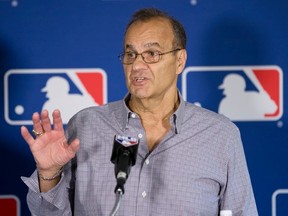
<point x="130" y="54"/>
<point x="152" y="53"/>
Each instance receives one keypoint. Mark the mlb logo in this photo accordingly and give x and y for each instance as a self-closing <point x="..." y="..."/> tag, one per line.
<point x="279" y="202"/>
<point x="69" y="90"/>
<point x="9" y="205"/>
<point x="242" y="93"/>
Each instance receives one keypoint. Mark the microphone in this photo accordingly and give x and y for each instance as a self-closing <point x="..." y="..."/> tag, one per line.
<point x="124" y="154"/>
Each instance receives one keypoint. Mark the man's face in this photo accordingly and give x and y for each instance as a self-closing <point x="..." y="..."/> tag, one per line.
<point x="145" y="80"/>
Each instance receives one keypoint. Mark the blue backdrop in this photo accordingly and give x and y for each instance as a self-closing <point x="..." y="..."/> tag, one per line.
<point x="43" y="39"/>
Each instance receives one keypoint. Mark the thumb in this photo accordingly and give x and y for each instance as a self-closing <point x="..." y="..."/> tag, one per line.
<point x="74" y="147"/>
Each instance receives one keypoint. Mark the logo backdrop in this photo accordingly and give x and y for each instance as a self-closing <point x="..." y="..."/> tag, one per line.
<point x="59" y="54"/>
<point x="242" y="93"/>
<point x="68" y="90"/>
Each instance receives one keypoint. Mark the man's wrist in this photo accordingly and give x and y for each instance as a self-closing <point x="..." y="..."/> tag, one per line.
<point x="52" y="177"/>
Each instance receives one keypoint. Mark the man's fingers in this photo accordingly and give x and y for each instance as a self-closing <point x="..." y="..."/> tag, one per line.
<point x="37" y="122"/>
<point x="45" y="120"/>
<point x="74" y="146"/>
<point x="27" y="136"/>
<point x="57" y="120"/>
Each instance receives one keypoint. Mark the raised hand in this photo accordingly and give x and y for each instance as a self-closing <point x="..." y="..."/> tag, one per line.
<point x="49" y="146"/>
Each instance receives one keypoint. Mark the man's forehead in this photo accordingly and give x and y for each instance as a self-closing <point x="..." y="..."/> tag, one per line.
<point x="148" y="35"/>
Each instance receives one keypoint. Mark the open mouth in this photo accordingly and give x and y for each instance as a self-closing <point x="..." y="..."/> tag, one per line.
<point x="139" y="79"/>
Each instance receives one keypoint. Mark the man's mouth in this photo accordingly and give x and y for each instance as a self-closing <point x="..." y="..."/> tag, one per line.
<point x="138" y="79"/>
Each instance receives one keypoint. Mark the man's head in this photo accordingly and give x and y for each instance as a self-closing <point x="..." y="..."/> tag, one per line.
<point x="148" y="14"/>
<point x="154" y="54"/>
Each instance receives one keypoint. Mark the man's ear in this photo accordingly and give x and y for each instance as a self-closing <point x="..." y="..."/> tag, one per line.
<point x="181" y="60"/>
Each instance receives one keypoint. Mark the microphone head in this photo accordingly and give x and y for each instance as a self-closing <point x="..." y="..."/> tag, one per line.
<point x="124" y="154"/>
<point x="124" y="143"/>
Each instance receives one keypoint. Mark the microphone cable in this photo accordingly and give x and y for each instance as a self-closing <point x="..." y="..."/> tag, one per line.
<point x="116" y="207"/>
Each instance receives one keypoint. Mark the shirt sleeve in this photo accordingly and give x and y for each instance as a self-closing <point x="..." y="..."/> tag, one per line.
<point x="54" y="202"/>
<point x="238" y="195"/>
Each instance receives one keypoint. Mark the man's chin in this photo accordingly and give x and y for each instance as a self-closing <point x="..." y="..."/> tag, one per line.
<point x="139" y="94"/>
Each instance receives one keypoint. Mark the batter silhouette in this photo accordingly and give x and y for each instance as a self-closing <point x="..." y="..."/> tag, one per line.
<point x="239" y="104"/>
<point x="57" y="91"/>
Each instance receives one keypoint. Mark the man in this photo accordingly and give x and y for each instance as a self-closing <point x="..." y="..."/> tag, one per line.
<point x="190" y="161"/>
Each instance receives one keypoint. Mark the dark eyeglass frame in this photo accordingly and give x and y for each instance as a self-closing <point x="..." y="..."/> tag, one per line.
<point x="159" y="55"/>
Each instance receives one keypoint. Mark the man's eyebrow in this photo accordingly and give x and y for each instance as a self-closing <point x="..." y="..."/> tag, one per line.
<point x="147" y="45"/>
<point x="129" y="46"/>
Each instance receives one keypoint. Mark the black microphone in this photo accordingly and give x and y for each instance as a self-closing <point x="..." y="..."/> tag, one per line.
<point x="124" y="156"/>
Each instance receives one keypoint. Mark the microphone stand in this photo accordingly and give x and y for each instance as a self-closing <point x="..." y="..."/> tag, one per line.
<point x="116" y="207"/>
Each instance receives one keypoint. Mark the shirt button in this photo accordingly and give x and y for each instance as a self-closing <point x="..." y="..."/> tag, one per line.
<point x="140" y="136"/>
<point x="147" y="161"/>
<point x="133" y="115"/>
<point x="144" y="194"/>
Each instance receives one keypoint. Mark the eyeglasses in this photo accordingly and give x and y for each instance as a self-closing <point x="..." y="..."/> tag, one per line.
<point x="149" y="57"/>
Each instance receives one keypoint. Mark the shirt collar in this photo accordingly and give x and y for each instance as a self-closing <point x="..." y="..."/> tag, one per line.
<point x="179" y="114"/>
<point x="123" y="113"/>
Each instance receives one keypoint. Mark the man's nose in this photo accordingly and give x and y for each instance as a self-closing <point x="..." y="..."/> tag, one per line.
<point x="139" y="62"/>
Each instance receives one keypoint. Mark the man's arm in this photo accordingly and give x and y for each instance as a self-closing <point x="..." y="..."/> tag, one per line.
<point x="48" y="185"/>
<point x="238" y="195"/>
<point x="54" y="202"/>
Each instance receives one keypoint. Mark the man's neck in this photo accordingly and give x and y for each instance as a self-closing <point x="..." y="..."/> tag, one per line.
<point x="154" y="109"/>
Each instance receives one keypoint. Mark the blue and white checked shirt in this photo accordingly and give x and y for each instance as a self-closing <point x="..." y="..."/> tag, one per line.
<point x="197" y="169"/>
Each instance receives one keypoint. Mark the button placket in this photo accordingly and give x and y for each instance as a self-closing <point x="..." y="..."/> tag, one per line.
<point x="147" y="161"/>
